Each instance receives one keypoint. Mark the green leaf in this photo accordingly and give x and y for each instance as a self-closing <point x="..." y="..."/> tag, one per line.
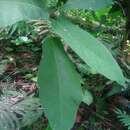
<point x="12" y="11"/>
<point x="60" y="89"/>
<point x="88" y="4"/>
<point x="87" y="97"/>
<point x="91" y="50"/>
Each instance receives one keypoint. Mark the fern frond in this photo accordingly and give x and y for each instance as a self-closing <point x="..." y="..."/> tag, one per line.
<point x="15" y="115"/>
<point x="123" y="117"/>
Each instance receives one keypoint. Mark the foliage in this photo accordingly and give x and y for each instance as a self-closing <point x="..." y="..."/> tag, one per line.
<point x="123" y="117"/>
<point x="66" y="94"/>
<point x="20" y="10"/>
<point x="89" y="52"/>
<point x="65" y="46"/>
<point x="90" y="4"/>
<point x="14" y="115"/>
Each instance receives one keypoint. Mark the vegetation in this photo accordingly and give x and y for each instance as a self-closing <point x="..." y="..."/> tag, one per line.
<point x="65" y="64"/>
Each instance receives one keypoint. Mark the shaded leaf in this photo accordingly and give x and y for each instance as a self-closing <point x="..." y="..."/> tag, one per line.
<point x="12" y="11"/>
<point x="91" y="50"/>
<point x="88" y="4"/>
<point x="60" y="90"/>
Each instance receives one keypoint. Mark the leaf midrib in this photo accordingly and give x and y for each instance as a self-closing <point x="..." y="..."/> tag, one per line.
<point x="57" y="73"/>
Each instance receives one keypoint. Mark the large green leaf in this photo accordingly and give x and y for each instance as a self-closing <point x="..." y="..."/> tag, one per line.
<point x="12" y="11"/>
<point x="60" y="89"/>
<point x="88" y="4"/>
<point x="91" y="50"/>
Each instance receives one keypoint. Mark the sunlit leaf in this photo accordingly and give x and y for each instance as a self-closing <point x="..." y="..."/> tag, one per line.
<point x="87" y="97"/>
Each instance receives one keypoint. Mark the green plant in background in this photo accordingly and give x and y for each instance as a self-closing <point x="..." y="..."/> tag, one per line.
<point x="60" y="85"/>
<point x="123" y="117"/>
<point x="15" y="115"/>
